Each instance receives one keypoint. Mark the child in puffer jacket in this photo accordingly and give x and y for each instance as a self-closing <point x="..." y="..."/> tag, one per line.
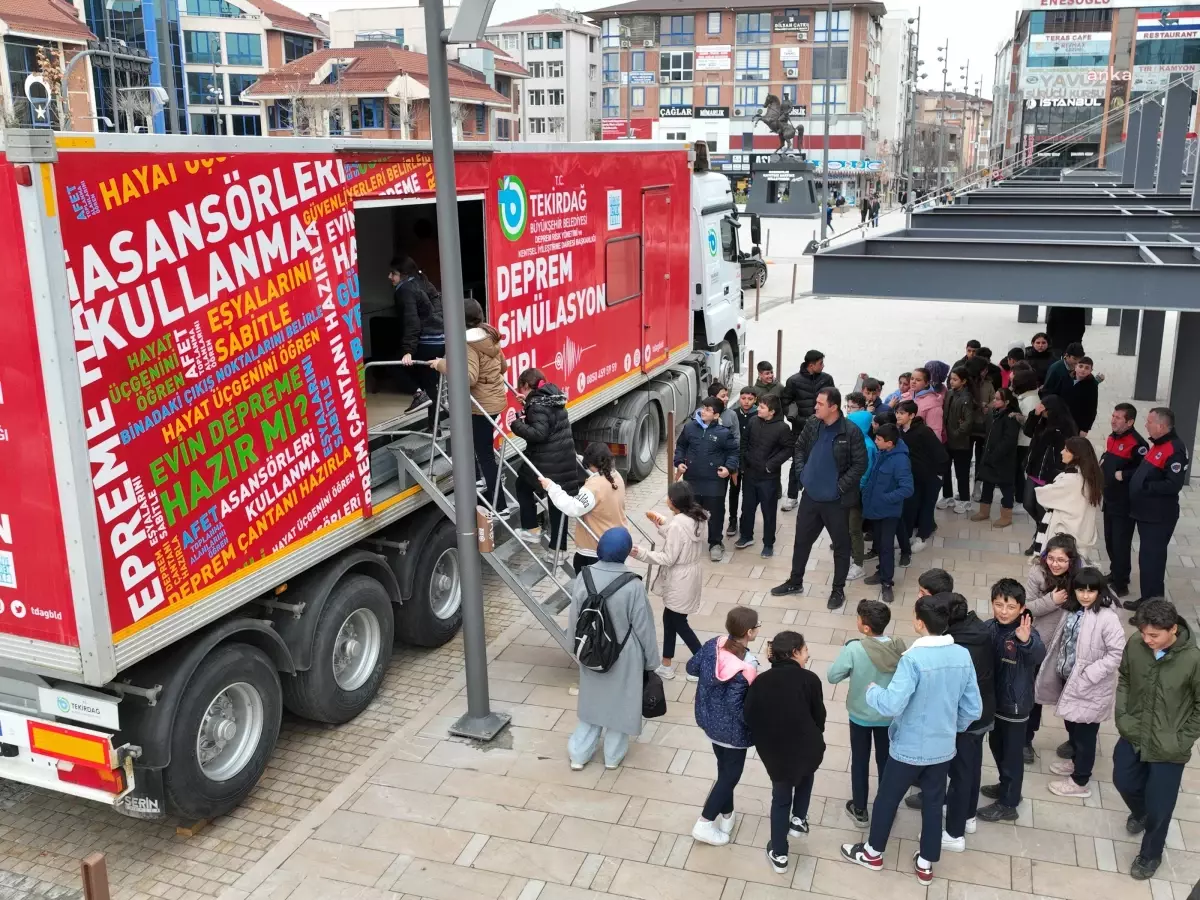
<point x="725" y="668"/>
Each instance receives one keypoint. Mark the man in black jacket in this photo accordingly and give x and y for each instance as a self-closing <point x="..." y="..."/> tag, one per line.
<point x="1122" y="455"/>
<point x="829" y="461"/>
<point x="767" y="448"/>
<point x="1083" y="397"/>
<point x="706" y="454"/>
<point x="801" y="391"/>
<point x="1060" y="377"/>
<point x="1154" y="501"/>
<point x="744" y="411"/>
<point x="550" y="446"/>
<point x="421" y="337"/>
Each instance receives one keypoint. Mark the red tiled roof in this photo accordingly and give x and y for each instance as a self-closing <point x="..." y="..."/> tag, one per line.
<point x="504" y="62"/>
<point x="539" y="19"/>
<point x="372" y="70"/>
<point x="284" y="18"/>
<point x="51" y="18"/>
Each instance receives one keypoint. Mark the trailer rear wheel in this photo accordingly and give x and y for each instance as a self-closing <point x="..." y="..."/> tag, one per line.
<point x="351" y="647"/>
<point x="224" y="732"/>
<point x="433" y="614"/>
<point x="644" y="448"/>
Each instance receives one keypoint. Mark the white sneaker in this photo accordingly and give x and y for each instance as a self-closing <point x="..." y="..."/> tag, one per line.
<point x="726" y="823"/>
<point x="917" y="545"/>
<point x="789" y="505"/>
<point x="666" y="673"/>
<point x="977" y="492"/>
<point x="577" y="767"/>
<point x="709" y="833"/>
<point x="971" y="826"/>
<point x="529" y="535"/>
<point x="945" y="503"/>
<point x="691" y="678"/>
<point x="854" y="573"/>
<point x="955" y="845"/>
<point x="962" y="507"/>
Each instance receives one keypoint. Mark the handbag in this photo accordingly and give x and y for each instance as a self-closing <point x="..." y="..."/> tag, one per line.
<point x="654" y="698"/>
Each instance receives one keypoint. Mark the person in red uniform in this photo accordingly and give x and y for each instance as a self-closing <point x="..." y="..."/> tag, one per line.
<point x="1122" y="455"/>
<point x="1154" y="501"/>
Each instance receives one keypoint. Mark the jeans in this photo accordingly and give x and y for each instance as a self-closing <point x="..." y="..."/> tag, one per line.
<point x="581" y="746"/>
<point x="1152" y="556"/>
<point x="787" y="800"/>
<point x="919" y="508"/>
<point x="676" y="623"/>
<point x="1118" y="543"/>
<point x="1006" y="493"/>
<point x="861" y="737"/>
<point x="485" y="456"/>
<point x="897" y="778"/>
<point x="812" y="518"/>
<point x="716" y="518"/>
<point x="960" y="462"/>
<point x="1150" y="791"/>
<point x="1007" y="740"/>
<point x="527" y="498"/>
<point x="886" y="533"/>
<point x="735" y="491"/>
<point x="754" y="495"/>
<point x="730" y="762"/>
<point x="1082" y="736"/>
<point x="427" y="377"/>
<point x="858" y="548"/>
<point x="1029" y="501"/>
<point x="966" y="773"/>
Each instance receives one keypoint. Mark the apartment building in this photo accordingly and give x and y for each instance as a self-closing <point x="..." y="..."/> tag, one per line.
<point x="404" y="23"/>
<point x="561" y="51"/>
<point x="30" y="26"/>
<point x="953" y="138"/>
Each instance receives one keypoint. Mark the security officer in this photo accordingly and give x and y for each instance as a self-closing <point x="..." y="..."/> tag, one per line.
<point x="1123" y="454"/>
<point x="1154" y="501"/>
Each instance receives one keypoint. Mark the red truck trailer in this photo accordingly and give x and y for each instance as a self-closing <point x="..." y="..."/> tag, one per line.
<point x="202" y="518"/>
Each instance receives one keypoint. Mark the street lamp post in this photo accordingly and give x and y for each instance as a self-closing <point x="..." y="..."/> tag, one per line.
<point x="911" y="141"/>
<point x="825" y="136"/>
<point x="112" y="64"/>
<point x="941" y="118"/>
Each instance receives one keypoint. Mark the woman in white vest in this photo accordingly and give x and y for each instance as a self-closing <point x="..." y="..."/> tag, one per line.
<point x="600" y="502"/>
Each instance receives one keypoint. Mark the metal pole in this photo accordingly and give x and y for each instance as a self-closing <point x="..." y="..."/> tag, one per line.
<point x="112" y="67"/>
<point x="750" y="364"/>
<point x="825" y="136"/>
<point x="942" y="113"/>
<point x="1145" y="384"/>
<point x="1128" y="335"/>
<point x="757" y="297"/>
<point x="767" y="247"/>
<point x="94" y="872"/>
<point x="480" y="721"/>
<point x="794" y="268"/>
<point x="779" y="350"/>
<point x="912" y="123"/>
<point x="1184" y="398"/>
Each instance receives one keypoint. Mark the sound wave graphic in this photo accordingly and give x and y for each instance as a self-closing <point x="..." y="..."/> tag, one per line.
<point x="568" y="359"/>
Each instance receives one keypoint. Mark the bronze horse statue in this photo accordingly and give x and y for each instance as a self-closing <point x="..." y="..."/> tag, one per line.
<point x="775" y="115"/>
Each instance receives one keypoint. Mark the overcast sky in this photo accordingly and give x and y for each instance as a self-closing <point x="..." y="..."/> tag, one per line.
<point x="975" y="28"/>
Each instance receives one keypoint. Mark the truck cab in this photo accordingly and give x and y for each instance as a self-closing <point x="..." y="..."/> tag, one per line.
<point x="716" y="273"/>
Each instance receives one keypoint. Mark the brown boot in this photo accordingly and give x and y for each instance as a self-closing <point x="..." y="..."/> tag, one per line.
<point x="1005" y="519"/>
<point x="985" y="513"/>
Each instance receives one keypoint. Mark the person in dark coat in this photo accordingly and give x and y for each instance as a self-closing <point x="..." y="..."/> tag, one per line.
<point x="1060" y="377"/>
<point x="1122" y="455"/>
<point x="429" y="340"/>
<point x="706" y="454"/>
<point x="958" y="414"/>
<point x="550" y="447"/>
<point x="800" y="391"/>
<point x="766" y="450"/>
<point x="927" y="456"/>
<point x="1065" y="325"/>
<point x="1083" y="398"/>
<point x="1048" y="427"/>
<point x="995" y="374"/>
<point x="999" y="458"/>
<point x="785" y="710"/>
<point x="1039" y="356"/>
<point x="745" y="410"/>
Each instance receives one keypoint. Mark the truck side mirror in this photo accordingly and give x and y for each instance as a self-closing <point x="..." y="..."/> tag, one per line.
<point x="755" y="230"/>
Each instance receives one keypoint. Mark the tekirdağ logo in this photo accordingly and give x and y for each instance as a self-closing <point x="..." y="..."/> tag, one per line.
<point x="514" y="207"/>
<point x="64" y="705"/>
<point x="712" y="242"/>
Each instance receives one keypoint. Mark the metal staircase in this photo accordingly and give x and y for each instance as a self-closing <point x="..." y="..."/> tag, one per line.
<point x="537" y="575"/>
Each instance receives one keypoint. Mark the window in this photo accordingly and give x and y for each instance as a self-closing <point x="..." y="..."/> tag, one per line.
<point x="837" y="99"/>
<point x="675" y="96"/>
<point x="537" y="126"/>
<point x="400" y="36"/>
<point x="753" y="28"/>
<point x="840" y="23"/>
<point x="555" y="69"/>
<point x="612" y="67"/>
<point x="480" y="118"/>
<point x="837" y="68"/>
<point x="335" y="73"/>
<point x="714" y="23"/>
<point x="675" y="65"/>
<point x="397" y="114"/>
<point x="244" y="49"/>
<point x="554" y="40"/>
<point x="792" y="13"/>
<point x="537" y="98"/>
<point x="247" y="126"/>
<point x="367" y="113"/>
<point x="335" y="121"/>
<point x="752" y="65"/>
<point x="729" y="242"/>
<point x="534" y="41"/>
<point x="593" y="73"/>
<point x="279" y="115"/>
<point x="202" y="87"/>
<point x="678" y="31"/>
<point x="592" y="99"/>
<point x="511" y="42"/>
<point x="238" y="84"/>
<point x="637" y="61"/>
<point x="639" y="97"/>
<point x="296" y="46"/>
<point x="749" y="99"/>
<point x="591" y="44"/>
<point x="556" y="97"/>
<point x="790" y="92"/>
<point x="610" y="33"/>
<point x="503" y="130"/>
<point x="712" y="95"/>
<point x="504" y="87"/>
<point x="204" y="124"/>
<point x="623" y="269"/>
<point x="675" y="136"/>
<point x="202" y="47"/>
<point x="219" y="8"/>
<point x="612" y="103"/>
<point x="537" y="69"/>
<point x="557" y="125"/>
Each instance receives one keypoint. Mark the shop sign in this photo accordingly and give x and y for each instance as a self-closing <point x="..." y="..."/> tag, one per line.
<point x="641" y="78"/>
<point x="1062" y="81"/>
<point x="1083" y="44"/>
<point x="1063" y="101"/>
<point x="1161" y="25"/>
<point x="714" y="58"/>
<point x="674" y="111"/>
<point x="712" y="112"/>
<point x="789" y="55"/>
<point x="797" y="25"/>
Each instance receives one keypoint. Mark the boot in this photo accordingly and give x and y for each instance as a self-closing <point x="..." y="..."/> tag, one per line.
<point x="985" y="513"/>
<point x="1005" y="519"/>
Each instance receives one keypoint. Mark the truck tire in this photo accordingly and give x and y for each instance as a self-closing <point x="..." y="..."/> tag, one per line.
<point x="224" y="732"/>
<point x="433" y="614"/>
<point x="351" y="648"/>
<point x="643" y="448"/>
<point x="728" y="368"/>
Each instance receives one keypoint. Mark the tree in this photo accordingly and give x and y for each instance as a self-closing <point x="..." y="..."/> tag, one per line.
<point x="50" y="67"/>
<point x="135" y="105"/>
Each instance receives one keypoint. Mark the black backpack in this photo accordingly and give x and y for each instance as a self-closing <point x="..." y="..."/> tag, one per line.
<point x="596" y="646"/>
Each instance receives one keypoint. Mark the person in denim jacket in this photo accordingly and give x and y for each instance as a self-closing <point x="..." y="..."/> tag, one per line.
<point x="932" y="698"/>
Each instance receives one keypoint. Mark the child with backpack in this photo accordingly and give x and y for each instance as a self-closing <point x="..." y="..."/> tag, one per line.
<point x="871" y="659"/>
<point x="615" y="645"/>
<point x="725" y="668"/>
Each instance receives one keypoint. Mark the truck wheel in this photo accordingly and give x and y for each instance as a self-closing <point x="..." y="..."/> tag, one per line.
<point x="225" y="729"/>
<point x="760" y="276"/>
<point x="644" y="448"/>
<point x="434" y="612"/>
<point x="728" y="366"/>
<point x="351" y="647"/>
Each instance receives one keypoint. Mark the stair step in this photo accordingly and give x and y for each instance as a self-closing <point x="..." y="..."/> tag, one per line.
<point x="417" y="447"/>
<point x="556" y="602"/>
<point x="383" y="467"/>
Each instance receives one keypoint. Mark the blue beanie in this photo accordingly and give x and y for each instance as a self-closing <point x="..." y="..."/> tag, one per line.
<point x="615" y="545"/>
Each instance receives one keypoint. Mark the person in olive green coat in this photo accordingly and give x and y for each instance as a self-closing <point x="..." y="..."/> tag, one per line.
<point x="1158" y="716"/>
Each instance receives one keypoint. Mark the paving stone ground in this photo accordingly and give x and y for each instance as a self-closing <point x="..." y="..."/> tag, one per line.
<point x="390" y="807"/>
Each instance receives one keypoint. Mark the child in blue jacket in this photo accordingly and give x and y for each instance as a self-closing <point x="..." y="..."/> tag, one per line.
<point x="889" y="484"/>
<point x="932" y="697"/>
